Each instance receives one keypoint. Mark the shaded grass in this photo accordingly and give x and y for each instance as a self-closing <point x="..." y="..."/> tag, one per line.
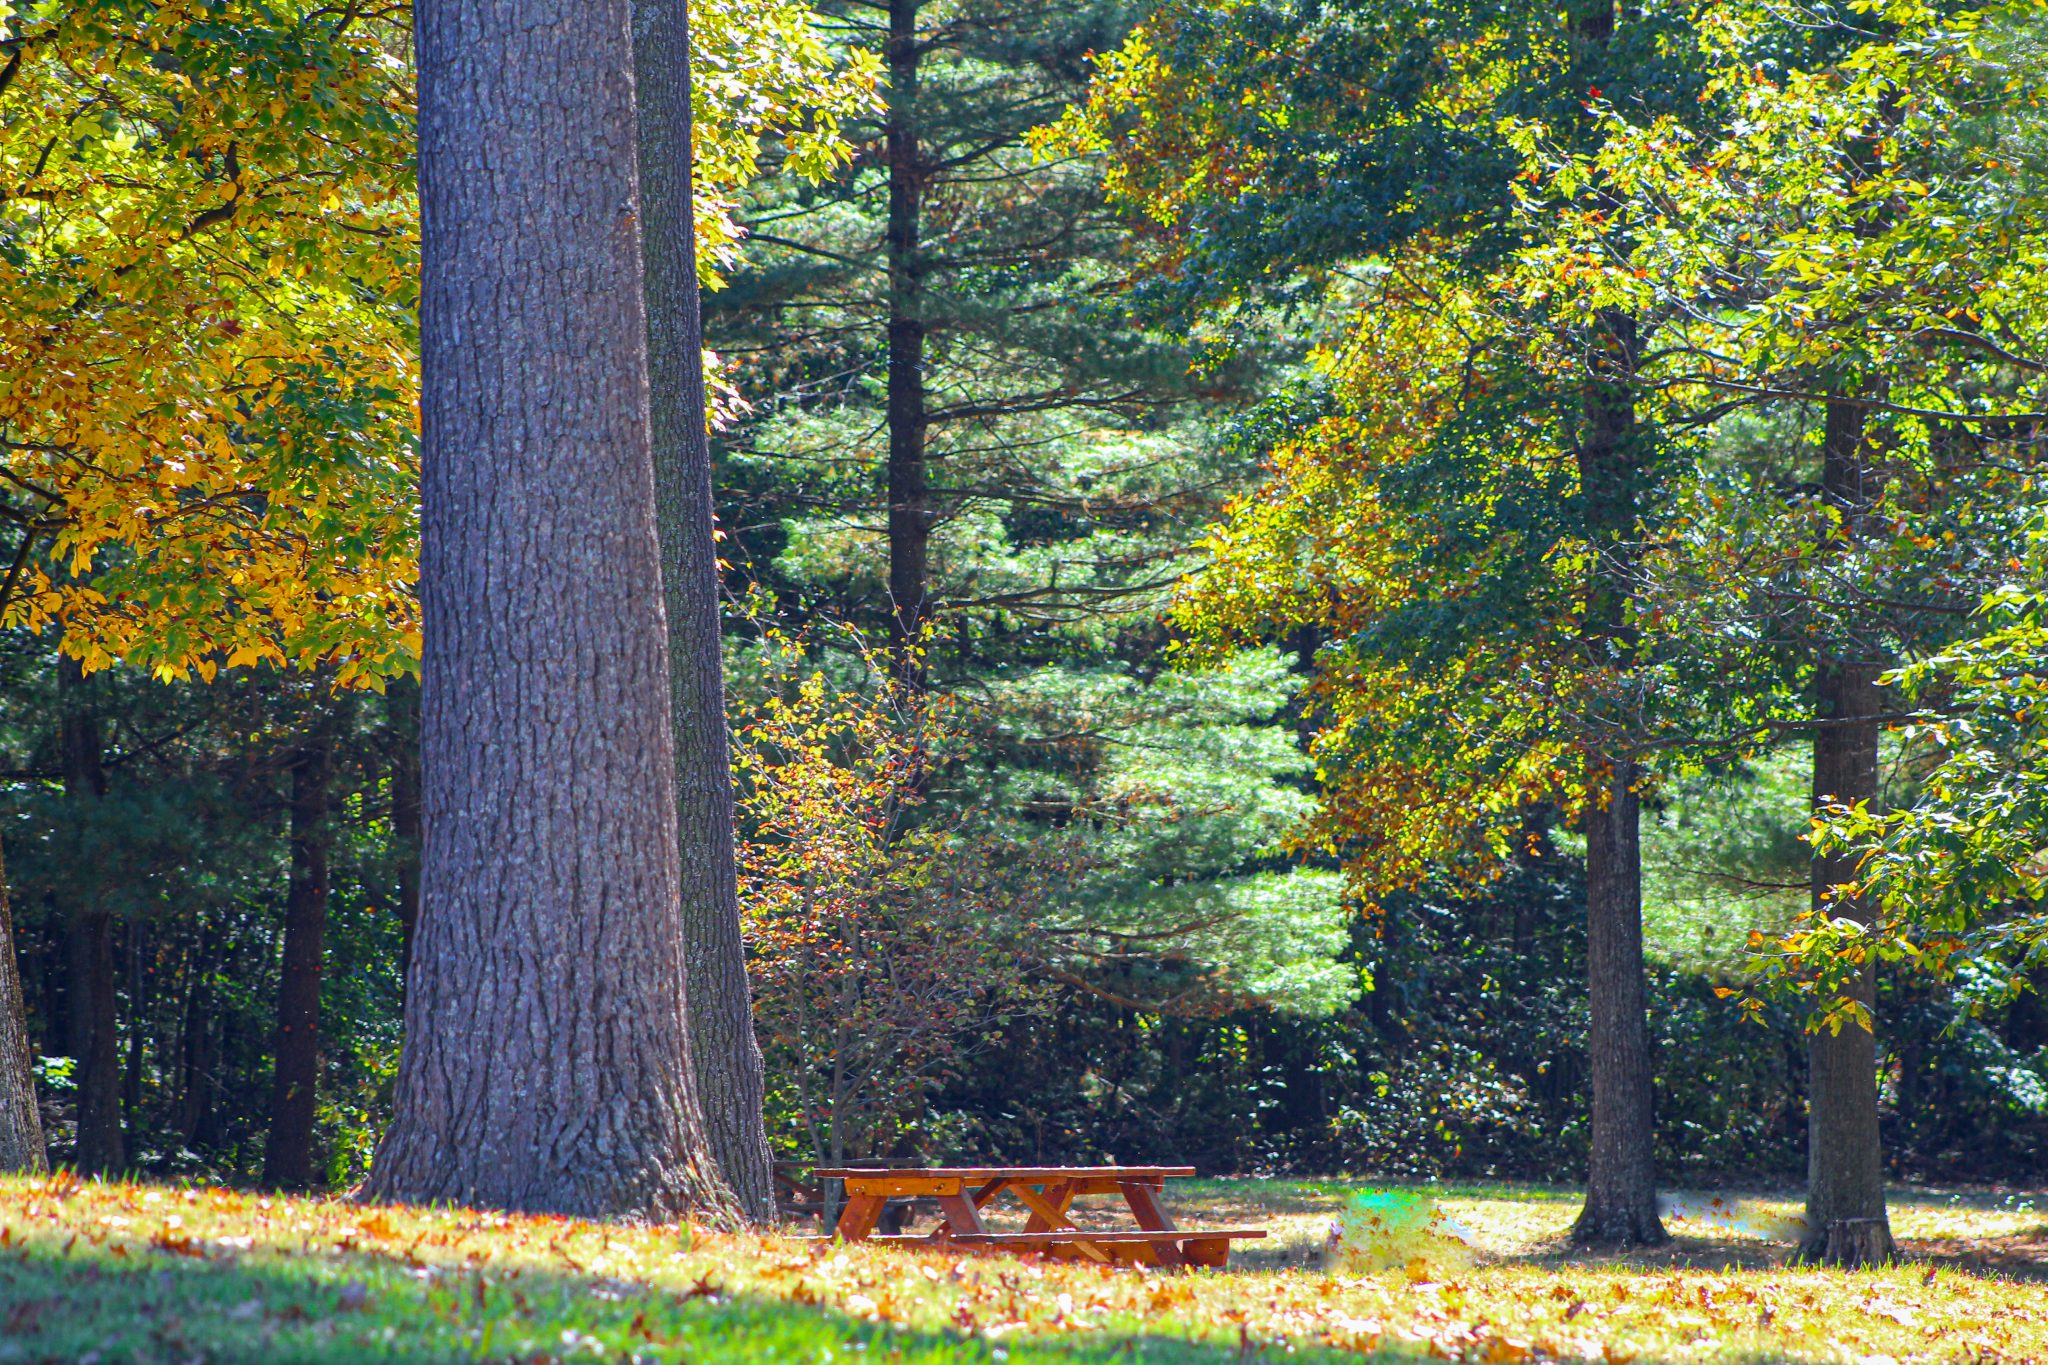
<point x="113" y="1272"/>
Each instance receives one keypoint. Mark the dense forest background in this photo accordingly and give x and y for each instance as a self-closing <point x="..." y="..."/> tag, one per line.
<point x="1022" y="854"/>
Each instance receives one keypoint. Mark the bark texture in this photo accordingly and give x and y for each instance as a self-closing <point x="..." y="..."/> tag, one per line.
<point x="21" y="1125"/>
<point x="1621" y="1171"/>
<point x="288" y="1153"/>
<point x="546" y="1063"/>
<point x="722" y="1043"/>
<point x="1846" y="1220"/>
<point x="911" y="514"/>
<point x="1621" y="1174"/>
<point x="93" y="1026"/>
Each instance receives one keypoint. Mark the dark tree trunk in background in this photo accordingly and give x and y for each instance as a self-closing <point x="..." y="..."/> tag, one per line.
<point x="404" y="703"/>
<point x="94" y="1029"/>
<point x="1846" y="1222"/>
<point x="722" y="1043"/>
<point x="1621" y="1173"/>
<point x="288" y="1155"/>
<point x="547" y="1056"/>
<point x="136" y="947"/>
<point x="199" y="1081"/>
<point x="21" y="1126"/>
<point x="910" y="511"/>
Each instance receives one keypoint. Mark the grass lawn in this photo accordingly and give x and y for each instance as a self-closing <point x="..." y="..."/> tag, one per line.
<point x="105" y="1273"/>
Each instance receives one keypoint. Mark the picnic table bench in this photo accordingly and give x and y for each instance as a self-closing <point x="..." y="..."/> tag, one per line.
<point x="1047" y="1194"/>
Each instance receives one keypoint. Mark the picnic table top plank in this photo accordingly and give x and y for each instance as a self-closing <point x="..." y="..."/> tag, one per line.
<point x="1034" y="1173"/>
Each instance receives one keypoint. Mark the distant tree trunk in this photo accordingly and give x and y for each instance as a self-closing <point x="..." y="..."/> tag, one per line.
<point x="404" y="694"/>
<point x="722" y="1043"/>
<point x="94" y="1033"/>
<point x="201" y="1055"/>
<point x="547" y="1058"/>
<point x="21" y="1125"/>
<point x="288" y="1154"/>
<point x="909" y="484"/>
<point x="1846" y="1221"/>
<point x="136" y="946"/>
<point x="1621" y="1173"/>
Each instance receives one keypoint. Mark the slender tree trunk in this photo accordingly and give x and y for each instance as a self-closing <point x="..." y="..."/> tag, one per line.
<point x="1846" y="1221"/>
<point x="21" y="1125"/>
<point x="95" y="1042"/>
<point x="1621" y="1174"/>
<point x="135" y="947"/>
<point x="404" y="694"/>
<point x="200" y="1056"/>
<point x="722" y="1043"/>
<point x="288" y="1155"/>
<point x="909" y="486"/>
<point x="547" y="1054"/>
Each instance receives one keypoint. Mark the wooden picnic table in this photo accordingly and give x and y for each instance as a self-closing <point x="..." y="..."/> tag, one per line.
<point x="1047" y="1194"/>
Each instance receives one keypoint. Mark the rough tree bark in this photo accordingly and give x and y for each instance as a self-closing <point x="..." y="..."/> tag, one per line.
<point x="21" y="1125"/>
<point x="1621" y="1174"/>
<point x="547" y="1057"/>
<point x="722" y="1043"/>
<point x="288" y="1153"/>
<point x="1846" y="1221"/>
<point x="1621" y="1170"/>
<point x="909" y="484"/>
<point x="93" y="1032"/>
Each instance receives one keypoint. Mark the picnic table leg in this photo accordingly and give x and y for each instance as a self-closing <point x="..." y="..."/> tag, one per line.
<point x="1143" y="1197"/>
<point x="860" y="1215"/>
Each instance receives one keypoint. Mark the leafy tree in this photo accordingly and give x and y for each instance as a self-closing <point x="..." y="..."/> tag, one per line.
<point x="1058" y="466"/>
<point x="1840" y="241"/>
<point x="207" y="331"/>
<point x="207" y="300"/>
<point x="1482" y="470"/>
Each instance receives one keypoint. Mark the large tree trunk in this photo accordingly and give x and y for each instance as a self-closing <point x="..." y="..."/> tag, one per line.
<point x="547" y="1055"/>
<point x="1621" y="1173"/>
<point x="1846" y="1222"/>
<point x="909" y="486"/>
<point x="94" y="1028"/>
<point x="722" y="1042"/>
<point x="288" y="1154"/>
<point x="21" y="1126"/>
